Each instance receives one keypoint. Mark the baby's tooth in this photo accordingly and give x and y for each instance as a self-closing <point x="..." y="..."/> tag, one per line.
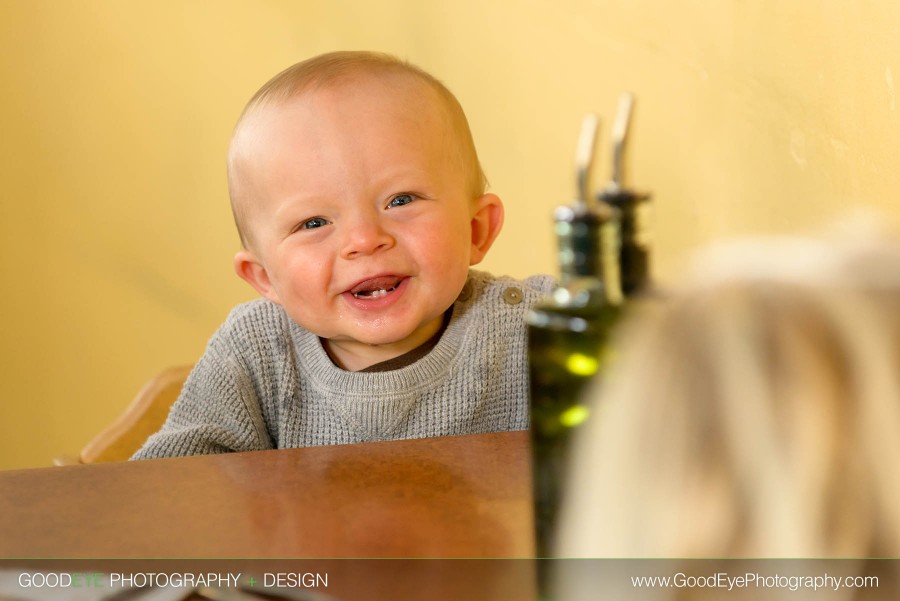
<point x="374" y="293"/>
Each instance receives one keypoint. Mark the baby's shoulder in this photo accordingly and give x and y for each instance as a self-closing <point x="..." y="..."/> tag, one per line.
<point x="254" y="312"/>
<point x="506" y="288"/>
<point x="258" y="314"/>
<point x="253" y="325"/>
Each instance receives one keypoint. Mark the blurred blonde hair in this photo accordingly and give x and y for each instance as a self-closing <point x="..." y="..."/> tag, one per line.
<point x="755" y="412"/>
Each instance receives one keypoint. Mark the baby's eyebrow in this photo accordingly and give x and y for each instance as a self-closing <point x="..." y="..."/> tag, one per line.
<point x="295" y="206"/>
<point x="402" y="173"/>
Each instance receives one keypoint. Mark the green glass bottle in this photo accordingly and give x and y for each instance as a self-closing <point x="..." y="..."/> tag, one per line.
<point x="603" y="262"/>
<point x="566" y="335"/>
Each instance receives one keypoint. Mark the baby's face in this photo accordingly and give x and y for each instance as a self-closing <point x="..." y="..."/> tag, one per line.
<point x="360" y="214"/>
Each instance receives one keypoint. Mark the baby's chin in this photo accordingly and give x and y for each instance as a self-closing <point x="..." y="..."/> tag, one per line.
<point x="389" y="340"/>
<point x="399" y="343"/>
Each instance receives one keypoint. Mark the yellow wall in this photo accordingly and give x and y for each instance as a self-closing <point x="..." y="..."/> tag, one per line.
<point x="762" y="116"/>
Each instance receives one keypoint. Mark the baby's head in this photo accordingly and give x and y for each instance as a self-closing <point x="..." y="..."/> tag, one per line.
<point x="360" y="201"/>
<point x="344" y="69"/>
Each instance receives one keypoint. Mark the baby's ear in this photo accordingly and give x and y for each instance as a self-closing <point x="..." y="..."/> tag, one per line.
<point x="251" y="270"/>
<point x="486" y="223"/>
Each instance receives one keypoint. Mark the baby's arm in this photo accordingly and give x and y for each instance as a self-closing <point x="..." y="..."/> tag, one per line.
<point x="213" y="414"/>
<point x="218" y="410"/>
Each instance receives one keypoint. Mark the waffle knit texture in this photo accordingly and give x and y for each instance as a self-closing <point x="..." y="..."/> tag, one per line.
<point x="264" y="382"/>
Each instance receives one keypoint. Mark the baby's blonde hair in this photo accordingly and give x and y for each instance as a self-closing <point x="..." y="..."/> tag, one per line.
<point x="339" y="67"/>
<point x="755" y="412"/>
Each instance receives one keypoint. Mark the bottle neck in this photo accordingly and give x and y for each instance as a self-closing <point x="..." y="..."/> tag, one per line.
<point x="588" y="256"/>
<point x="633" y="240"/>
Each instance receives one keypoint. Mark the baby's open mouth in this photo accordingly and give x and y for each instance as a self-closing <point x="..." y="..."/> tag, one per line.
<point x="376" y="287"/>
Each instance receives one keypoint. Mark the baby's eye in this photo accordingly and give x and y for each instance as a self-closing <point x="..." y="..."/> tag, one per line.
<point x="311" y="224"/>
<point x="400" y="200"/>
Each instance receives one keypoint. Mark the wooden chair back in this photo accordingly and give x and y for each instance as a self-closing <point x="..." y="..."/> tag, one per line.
<point x="144" y="416"/>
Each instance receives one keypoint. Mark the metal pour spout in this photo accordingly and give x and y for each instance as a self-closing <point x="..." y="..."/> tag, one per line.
<point x="584" y="159"/>
<point x="620" y="131"/>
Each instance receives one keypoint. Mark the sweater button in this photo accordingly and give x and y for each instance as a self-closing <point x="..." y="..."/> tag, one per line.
<point x="512" y="295"/>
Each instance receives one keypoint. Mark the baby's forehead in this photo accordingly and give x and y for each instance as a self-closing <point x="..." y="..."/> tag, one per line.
<point x="407" y="92"/>
<point x="385" y="98"/>
<point x="390" y="102"/>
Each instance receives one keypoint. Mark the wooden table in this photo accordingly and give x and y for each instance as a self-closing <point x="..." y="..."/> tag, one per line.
<point x="453" y="497"/>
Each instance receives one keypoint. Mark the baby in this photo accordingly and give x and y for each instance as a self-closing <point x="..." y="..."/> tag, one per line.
<point x="361" y="207"/>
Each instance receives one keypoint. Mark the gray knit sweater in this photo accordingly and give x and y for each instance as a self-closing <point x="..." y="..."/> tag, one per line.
<point x="264" y="382"/>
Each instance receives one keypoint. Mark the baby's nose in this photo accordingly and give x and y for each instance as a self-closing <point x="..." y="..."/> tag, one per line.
<point x="366" y="236"/>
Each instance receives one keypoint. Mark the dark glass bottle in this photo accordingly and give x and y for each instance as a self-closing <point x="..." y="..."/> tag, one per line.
<point x="632" y="208"/>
